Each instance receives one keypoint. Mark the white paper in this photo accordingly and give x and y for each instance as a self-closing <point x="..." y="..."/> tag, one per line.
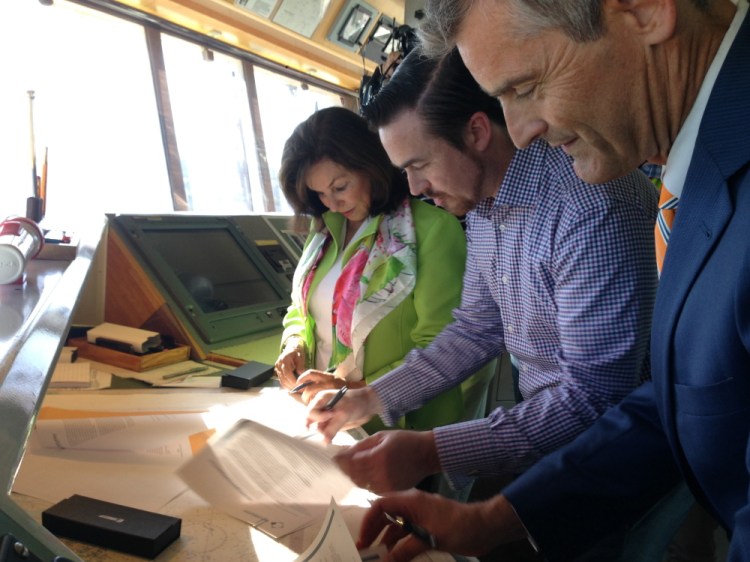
<point x="142" y="479"/>
<point x="184" y="373"/>
<point x="275" y="482"/>
<point x="138" y="480"/>
<point x="149" y="481"/>
<point x="71" y="375"/>
<point x="333" y="543"/>
<point x="165" y="434"/>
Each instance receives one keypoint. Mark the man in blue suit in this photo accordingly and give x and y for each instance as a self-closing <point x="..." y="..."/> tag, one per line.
<point x="617" y="83"/>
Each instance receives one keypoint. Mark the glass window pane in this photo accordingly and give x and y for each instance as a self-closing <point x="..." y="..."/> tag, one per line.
<point x="94" y="109"/>
<point x="214" y="133"/>
<point x="284" y="103"/>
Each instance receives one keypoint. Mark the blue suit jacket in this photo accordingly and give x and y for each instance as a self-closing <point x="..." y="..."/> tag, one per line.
<point x="693" y="420"/>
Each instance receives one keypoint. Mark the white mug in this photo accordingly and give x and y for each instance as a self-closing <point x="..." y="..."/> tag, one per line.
<point x="21" y="239"/>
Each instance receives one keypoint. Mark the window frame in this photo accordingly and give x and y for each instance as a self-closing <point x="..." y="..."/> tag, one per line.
<point x="153" y="28"/>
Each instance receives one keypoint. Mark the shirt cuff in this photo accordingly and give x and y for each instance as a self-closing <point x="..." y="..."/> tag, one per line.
<point x="393" y="395"/>
<point x="454" y="448"/>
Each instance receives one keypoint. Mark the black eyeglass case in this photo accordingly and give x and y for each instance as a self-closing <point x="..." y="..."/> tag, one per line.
<point x="111" y="525"/>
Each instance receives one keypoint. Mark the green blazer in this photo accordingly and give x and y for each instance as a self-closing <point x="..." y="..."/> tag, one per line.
<point x="441" y="257"/>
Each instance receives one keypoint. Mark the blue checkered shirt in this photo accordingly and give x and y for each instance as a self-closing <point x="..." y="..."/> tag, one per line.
<point x="562" y="275"/>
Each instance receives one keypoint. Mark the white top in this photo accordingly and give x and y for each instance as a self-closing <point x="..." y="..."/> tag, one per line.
<point x="321" y="305"/>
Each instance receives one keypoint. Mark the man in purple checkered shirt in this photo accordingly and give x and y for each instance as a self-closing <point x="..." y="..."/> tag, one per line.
<point x="560" y="273"/>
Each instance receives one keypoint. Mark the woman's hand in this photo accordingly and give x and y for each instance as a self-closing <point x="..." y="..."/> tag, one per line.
<point x="291" y="363"/>
<point x="320" y="381"/>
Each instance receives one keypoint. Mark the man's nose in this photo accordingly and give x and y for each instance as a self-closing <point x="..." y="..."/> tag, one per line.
<point x="524" y="127"/>
<point x="417" y="185"/>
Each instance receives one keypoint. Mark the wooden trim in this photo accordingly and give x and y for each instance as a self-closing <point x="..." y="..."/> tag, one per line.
<point x="166" y="119"/>
<point x="132" y="299"/>
<point x="260" y="143"/>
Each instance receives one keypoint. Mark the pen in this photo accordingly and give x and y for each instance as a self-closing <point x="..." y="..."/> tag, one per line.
<point x="305" y="384"/>
<point x="183" y="373"/>
<point x="335" y="400"/>
<point x="415" y="530"/>
<point x="300" y="387"/>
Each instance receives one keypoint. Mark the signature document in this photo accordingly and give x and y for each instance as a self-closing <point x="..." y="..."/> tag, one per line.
<point x="273" y="481"/>
<point x="334" y="543"/>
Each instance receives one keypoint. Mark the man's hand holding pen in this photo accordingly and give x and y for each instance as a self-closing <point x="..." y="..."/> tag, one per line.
<point x="416" y="521"/>
<point x="355" y="408"/>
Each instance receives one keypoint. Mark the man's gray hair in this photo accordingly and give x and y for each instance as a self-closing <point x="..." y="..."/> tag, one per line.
<point x="581" y="20"/>
<point x="438" y="30"/>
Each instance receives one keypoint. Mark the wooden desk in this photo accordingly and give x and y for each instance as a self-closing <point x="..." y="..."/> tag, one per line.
<point x="207" y="534"/>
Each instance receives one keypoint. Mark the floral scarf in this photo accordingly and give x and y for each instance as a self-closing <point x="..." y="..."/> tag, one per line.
<point x="378" y="276"/>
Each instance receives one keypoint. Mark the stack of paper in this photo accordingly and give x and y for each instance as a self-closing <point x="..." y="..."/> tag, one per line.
<point x="275" y="482"/>
<point x="71" y="375"/>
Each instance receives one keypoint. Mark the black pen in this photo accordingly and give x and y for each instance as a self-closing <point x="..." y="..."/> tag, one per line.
<point x="300" y="387"/>
<point x="305" y="384"/>
<point x="416" y="530"/>
<point x="335" y="400"/>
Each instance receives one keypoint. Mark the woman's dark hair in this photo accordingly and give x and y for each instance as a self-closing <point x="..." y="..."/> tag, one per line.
<point x="343" y="137"/>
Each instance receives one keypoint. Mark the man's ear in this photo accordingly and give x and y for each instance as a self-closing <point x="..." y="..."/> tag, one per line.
<point x="653" y="20"/>
<point x="479" y="131"/>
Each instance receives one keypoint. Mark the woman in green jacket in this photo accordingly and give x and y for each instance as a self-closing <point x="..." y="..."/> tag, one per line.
<point x="380" y="272"/>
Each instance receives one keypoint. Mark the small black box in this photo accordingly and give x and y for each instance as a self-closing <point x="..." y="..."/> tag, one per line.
<point x="135" y="531"/>
<point x="248" y="375"/>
